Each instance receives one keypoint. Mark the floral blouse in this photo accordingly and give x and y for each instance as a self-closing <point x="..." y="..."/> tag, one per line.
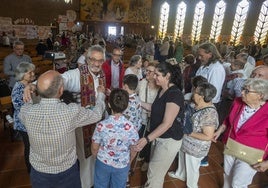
<point x="17" y="100"/>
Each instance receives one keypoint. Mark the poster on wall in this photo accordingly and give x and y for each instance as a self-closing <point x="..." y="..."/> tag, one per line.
<point x="25" y="31"/>
<point x="43" y="32"/>
<point x="67" y="22"/>
<point x="7" y="29"/>
<point x="31" y="32"/>
<point x="5" y="21"/>
<point x="20" y="31"/>
<point x="131" y="11"/>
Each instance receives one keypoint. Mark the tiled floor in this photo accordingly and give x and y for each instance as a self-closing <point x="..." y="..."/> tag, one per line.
<point x="13" y="171"/>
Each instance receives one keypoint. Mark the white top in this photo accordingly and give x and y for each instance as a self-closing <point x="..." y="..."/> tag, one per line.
<point x="151" y="94"/>
<point x="215" y="74"/>
<point x="115" y="74"/>
<point x="82" y="59"/>
<point x="248" y="68"/>
<point x="72" y="80"/>
<point x="251" y="60"/>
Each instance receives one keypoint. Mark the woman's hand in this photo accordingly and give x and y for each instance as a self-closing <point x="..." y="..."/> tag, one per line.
<point x="140" y="144"/>
<point x="28" y="91"/>
<point x="107" y="92"/>
<point x="261" y="167"/>
<point x="217" y="134"/>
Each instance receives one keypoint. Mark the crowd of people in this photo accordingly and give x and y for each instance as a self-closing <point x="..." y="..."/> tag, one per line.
<point x="117" y="112"/>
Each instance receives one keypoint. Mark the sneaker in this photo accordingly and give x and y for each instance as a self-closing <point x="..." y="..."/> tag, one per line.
<point x="173" y="175"/>
<point x="144" y="166"/>
<point x="204" y="163"/>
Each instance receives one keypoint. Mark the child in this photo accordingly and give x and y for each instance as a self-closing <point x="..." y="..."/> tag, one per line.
<point x="111" y="143"/>
<point x="133" y="111"/>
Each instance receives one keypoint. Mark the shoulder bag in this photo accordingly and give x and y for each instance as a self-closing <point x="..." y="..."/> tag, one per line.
<point x="242" y="152"/>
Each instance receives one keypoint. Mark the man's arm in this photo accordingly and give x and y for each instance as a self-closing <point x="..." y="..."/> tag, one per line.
<point x="8" y="67"/>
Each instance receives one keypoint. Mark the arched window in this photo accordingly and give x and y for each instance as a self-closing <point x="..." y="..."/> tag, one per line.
<point x="198" y="20"/>
<point x="239" y="21"/>
<point x="262" y="24"/>
<point x="217" y="20"/>
<point x="163" y="23"/>
<point x="180" y="18"/>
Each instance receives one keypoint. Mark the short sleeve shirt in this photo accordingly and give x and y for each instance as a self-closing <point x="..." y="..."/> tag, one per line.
<point x="172" y="95"/>
<point x="115" y="136"/>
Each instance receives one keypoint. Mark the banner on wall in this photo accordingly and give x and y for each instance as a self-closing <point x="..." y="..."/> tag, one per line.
<point x="5" y="21"/>
<point x="43" y="32"/>
<point x="131" y="11"/>
<point x="67" y="22"/>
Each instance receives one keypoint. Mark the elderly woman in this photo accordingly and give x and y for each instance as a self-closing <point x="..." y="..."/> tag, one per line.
<point x="135" y="64"/>
<point x="246" y="124"/>
<point x="165" y="128"/>
<point x="147" y="91"/>
<point x="196" y="145"/>
<point x="24" y="74"/>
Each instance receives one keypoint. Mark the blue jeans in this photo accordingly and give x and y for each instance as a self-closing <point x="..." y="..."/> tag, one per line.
<point x="109" y="177"/>
<point x="67" y="179"/>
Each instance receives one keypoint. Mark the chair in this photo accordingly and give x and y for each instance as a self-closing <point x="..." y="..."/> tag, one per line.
<point x="6" y="108"/>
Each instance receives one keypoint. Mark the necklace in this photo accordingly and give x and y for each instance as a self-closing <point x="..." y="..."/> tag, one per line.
<point x="251" y="110"/>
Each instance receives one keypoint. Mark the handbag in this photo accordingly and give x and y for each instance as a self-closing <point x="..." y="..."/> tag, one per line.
<point x="242" y="152"/>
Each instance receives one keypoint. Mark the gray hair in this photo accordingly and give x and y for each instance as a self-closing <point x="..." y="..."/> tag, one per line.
<point x="134" y="60"/>
<point x="53" y="88"/>
<point x="17" y="43"/>
<point x="95" y="48"/>
<point x="259" y="85"/>
<point x="207" y="90"/>
<point x="242" y="56"/>
<point x="23" y="68"/>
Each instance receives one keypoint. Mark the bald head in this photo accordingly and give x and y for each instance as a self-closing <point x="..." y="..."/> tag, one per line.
<point x="260" y="72"/>
<point x="50" y="84"/>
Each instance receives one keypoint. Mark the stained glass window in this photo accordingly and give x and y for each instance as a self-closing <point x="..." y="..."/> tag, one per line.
<point x="198" y="20"/>
<point x="180" y="18"/>
<point x="163" y="23"/>
<point x="239" y="21"/>
<point x="217" y="20"/>
<point x="262" y="24"/>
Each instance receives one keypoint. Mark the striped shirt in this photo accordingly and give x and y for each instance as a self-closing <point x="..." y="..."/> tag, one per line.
<point x="51" y="128"/>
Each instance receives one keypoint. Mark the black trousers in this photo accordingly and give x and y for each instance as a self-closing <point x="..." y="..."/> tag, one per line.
<point x="26" y="142"/>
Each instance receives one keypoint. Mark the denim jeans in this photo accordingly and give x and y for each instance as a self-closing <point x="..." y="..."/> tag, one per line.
<point x="67" y="179"/>
<point x="109" y="177"/>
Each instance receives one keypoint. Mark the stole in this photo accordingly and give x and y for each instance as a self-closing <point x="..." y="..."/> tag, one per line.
<point x="88" y="99"/>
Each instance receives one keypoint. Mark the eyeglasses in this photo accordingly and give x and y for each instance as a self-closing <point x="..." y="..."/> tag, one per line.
<point x="247" y="91"/>
<point x="119" y="55"/>
<point x="96" y="60"/>
<point x="19" y="49"/>
<point x="149" y="71"/>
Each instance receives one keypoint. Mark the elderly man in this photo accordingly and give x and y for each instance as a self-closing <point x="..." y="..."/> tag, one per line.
<point x="259" y="72"/>
<point x="12" y="61"/>
<point x="51" y="128"/>
<point x="83" y="83"/>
